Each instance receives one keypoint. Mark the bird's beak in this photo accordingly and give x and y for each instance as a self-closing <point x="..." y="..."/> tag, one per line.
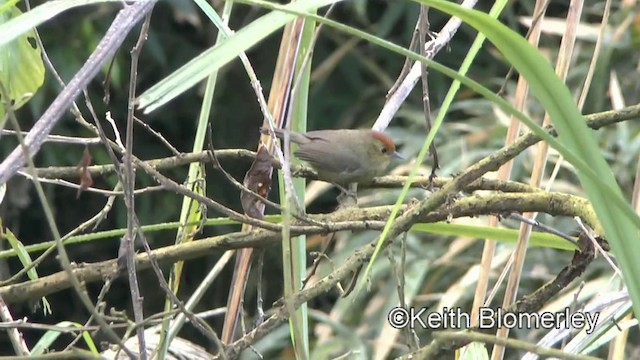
<point x="397" y="155"/>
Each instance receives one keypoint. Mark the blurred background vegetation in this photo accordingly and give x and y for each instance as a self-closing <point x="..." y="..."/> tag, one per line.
<point x="349" y="82"/>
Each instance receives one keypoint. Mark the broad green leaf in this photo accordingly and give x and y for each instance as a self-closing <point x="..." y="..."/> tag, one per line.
<point x="25" y="259"/>
<point x="485" y="232"/>
<point x="18" y="247"/>
<point x="21" y="66"/>
<point x="7" y="5"/>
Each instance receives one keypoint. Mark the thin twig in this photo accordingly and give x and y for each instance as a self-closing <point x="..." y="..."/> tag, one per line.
<point x="129" y="198"/>
<point x="94" y="190"/>
<point x="423" y="31"/>
<point x="60" y="139"/>
<point x="543" y="227"/>
<point x="158" y="136"/>
<point x="15" y="337"/>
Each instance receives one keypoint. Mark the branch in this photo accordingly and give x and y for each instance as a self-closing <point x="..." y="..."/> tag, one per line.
<point x="594" y="121"/>
<point x="347" y="219"/>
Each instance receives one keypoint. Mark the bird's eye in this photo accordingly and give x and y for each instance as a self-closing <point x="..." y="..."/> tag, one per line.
<point x="384" y="150"/>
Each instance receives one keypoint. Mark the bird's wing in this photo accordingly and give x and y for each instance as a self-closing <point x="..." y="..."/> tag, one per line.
<point x="321" y="155"/>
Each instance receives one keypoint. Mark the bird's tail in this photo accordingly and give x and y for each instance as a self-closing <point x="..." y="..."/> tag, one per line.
<point x="295" y="137"/>
<point x="279" y="132"/>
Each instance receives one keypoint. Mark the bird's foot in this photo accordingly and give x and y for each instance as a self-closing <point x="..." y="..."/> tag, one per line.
<point x="347" y="198"/>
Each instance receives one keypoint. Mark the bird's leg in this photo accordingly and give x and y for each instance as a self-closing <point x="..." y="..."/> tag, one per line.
<point x="348" y="198"/>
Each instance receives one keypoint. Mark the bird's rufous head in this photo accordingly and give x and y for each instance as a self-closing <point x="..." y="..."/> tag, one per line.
<point x="388" y="146"/>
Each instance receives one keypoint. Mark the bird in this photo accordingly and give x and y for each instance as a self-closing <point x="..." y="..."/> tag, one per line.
<point x="343" y="156"/>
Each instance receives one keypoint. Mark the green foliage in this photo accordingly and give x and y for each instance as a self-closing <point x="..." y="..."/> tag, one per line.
<point x="21" y="66"/>
<point x="25" y="259"/>
<point x="44" y="343"/>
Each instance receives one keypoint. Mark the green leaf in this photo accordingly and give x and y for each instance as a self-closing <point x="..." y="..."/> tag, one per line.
<point x="25" y="259"/>
<point x="50" y="336"/>
<point x="18" y="247"/>
<point x="485" y="232"/>
<point x="21" y="66"/>
<point x="20" y="25"/>
<point x="8" y="4"/>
